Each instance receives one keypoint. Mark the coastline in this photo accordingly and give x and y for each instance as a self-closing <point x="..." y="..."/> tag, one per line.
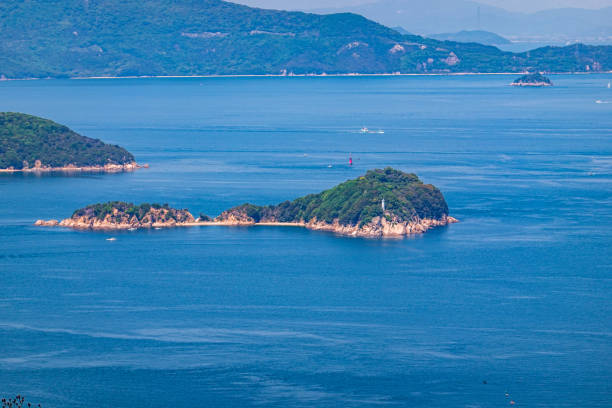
<point x="355" y="74"/>
<point x="532" y="85"/>
<point x="108" y="168"/>
<point x="378" y="228"/>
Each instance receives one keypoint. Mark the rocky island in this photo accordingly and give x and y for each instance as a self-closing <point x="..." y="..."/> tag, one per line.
<point x="535" y="80"/>
<point x="382" y="203"/>
<point x="118" y="215"/>
<point x="33" y="144"/>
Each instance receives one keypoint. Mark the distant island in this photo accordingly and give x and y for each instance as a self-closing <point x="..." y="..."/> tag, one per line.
<point x="472" y="36"/>
<point x="535" y="80"/>
<point x="382" y="203"/>
<point x="76" y="38"/>
<point x="33" y="144"/>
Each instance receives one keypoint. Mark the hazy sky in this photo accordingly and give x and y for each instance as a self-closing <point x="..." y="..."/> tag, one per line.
<point x="514" y="5"/>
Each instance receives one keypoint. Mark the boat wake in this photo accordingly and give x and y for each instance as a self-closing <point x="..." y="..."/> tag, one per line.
<point x="369" y="131"/>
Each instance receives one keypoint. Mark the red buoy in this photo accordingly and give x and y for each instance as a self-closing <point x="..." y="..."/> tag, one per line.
<point x="350" y="161"/>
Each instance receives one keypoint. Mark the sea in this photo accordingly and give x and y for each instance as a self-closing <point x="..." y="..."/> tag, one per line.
<point x="510" y="307"/>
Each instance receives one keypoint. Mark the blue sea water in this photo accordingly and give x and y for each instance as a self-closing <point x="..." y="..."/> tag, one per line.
<point x="514" y="303"/>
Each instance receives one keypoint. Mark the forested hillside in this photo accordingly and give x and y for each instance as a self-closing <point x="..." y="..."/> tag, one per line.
<point x="74" y="38"/>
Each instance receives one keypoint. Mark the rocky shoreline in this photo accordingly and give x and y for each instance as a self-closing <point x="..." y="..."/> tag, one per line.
<point x="379" y="227"/>
<point x="108" y="168"/>
<point x="532" y="84"/>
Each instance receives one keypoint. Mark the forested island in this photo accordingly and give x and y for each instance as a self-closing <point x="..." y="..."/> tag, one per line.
<point x="119" y="38"/>
<point x="31" y="143"/>
<point x="383" y="202"/>
<point x="535" y="80"/>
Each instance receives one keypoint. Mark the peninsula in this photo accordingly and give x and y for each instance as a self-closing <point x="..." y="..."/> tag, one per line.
<point x="33" y="144"/>
<point x="535" y="80"/>
<point x="382" y="203"/>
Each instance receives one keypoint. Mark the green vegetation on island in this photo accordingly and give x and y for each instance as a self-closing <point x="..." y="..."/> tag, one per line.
<point x="76" y="38"/>
<point x="129" y="214"/>
<point x="536" y="79"/>
<point x="381" y="203"/>
<point x="356" y="202"/>
<point x="28" y="141"/>
<point x="101" y="210"/>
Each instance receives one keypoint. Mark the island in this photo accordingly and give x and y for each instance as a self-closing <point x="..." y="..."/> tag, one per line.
<point x="33" y="144"/>
<point x="535" y="80"/>
<point x="120" y="215"/>
<point x="381" y="203"/>
<point x="472" y="36"/>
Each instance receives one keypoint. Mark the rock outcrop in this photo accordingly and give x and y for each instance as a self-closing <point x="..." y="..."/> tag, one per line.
<point x="49" y="223"/>
<point x="380" y="227"/>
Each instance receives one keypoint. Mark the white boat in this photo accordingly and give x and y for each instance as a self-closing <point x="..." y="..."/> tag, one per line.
<point x="111" y="239"/>
<point x="131" y="229"/>
<point x="381" y="132"/>
<point x="365" y="130"/>
<point x="609" y="84"/>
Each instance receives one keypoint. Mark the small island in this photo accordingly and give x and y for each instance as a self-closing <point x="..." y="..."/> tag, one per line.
<point x="382" y="203"/>
<point x="120" y="215"/>
<point x="534" y="80"/>
<point x="33" y="144"/>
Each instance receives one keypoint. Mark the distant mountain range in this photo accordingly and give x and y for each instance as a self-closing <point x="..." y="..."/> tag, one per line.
<point x="427" y="17"/>
<point x="71" y="38"/>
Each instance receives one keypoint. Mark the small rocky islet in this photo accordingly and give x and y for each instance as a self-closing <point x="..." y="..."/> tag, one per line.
<point x="381" y="203"/>
<point x="532" y="80"/>
<point x="33" y="144"/>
